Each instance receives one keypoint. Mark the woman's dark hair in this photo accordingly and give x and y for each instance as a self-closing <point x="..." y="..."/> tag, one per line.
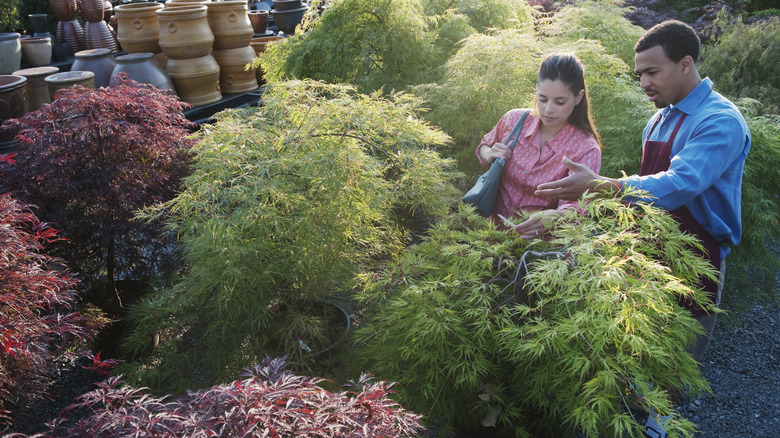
<point x="568" y="69"/>
<point x="676" y="38"/>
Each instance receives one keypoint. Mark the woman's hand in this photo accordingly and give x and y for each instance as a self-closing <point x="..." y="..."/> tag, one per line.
<point x="534" y="227"/>
<point x="499" y="150"/>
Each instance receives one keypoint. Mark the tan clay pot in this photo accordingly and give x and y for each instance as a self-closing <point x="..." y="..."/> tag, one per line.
<point x="138" y="29"/>
<point x="260" y="43"/>
<point x="36" y="51"/>
<point x="170" y="3"/>
<point x="36" y="88"/>
<point x="185" y="32"/>
<point x="229" y="21"/>
<point x="233" y="77"/>
<point x="196" y="79"/>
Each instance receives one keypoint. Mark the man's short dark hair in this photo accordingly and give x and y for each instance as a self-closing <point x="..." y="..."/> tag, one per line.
<point x="676" y="38"/>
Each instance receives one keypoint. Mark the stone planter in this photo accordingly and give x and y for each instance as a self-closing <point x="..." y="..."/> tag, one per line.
<point x="185" y="32"/>
<point x="141" y="67"/>
<point x="36" y="88"/>
<point x="69" y="79"/>
<point x="11" y="97"/>
<point x="10" y="53"/>
<point x="36" y="51"/>
<point x="98" y="61"/>
<point x="229" y="22"/>
<point x="138" y="29"/>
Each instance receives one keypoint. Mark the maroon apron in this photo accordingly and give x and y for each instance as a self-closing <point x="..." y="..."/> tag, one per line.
<point x="657" y="157"/>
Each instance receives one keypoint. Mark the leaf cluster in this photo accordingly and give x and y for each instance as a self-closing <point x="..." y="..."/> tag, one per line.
<point x="743" y="59"/>
<point x="569" y="344"/>
<point x="270" y="402"/>
<point x="38" y="316"/>
<point x="9" y="15"/>
<point x="89" y="161"/>
<point x="286" y="203"/>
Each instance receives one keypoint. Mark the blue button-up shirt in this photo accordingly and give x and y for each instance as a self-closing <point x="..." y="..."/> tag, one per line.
<point x="708" y="157"/>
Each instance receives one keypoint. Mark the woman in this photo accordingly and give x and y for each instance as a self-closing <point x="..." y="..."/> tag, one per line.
<point x="560" y="126"/>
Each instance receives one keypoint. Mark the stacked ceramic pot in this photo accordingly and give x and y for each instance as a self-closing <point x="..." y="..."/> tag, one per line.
<point x="232" y="31"/>
<point x="36" y="89"/>
<point x="10" y="52"/>
<point x="69" y="30"/>
<point x="187" y="41"/>
<point x="138" y="29"/>
<point x="97" y="34"/>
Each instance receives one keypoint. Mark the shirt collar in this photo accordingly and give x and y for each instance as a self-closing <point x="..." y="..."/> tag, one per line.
<point x="691" y="102"/>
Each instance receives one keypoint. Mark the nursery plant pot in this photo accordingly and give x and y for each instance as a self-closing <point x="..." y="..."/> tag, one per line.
<point x="233" y="75"/>
<point x="138" y="29"/>
<point x="98" y="61"/>
<point x="36" y="89"/>
<point x="10" y="52"/>
<point x="36" y="51"/>
<point x="287" y="20"/>
<point x="11" y="96"/>
<point x="259" y="20"/>
<point x="196" y="79"/>
<point x="230" y="24"/>
<point x="141" y="67"/>
<point x="185" y="32"/>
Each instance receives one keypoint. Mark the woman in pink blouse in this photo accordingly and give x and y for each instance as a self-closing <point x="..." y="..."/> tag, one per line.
<point x="560" y="126"/>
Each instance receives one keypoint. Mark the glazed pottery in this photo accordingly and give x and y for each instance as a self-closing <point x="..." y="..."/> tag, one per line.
<point x="138" y="29"/>
<point x="68" y="79"/>
<point x="36" y="51"/>
<point x="259" y="20"/>
<point x="233" y="75"/>
<point x="92" y="10"/>
<point x="36" y="88"/>
<point x="11" y="97"/>
<point x="185" y="32"/>
<point x="10" y="52"/>
<point x="230" y="24"/>
<point x="98" y="61"/>
<point x="59" y="51"/>
<point x="287" y="20"/>
<point x="97" y="35"/>
<point x="65" y="10"/>
<point x="196" y="79"/>
<point x="108" y="11"/>
<point x="287" y="5"/>
<point x="70" y="33"/>
<point x="141" y="67"/>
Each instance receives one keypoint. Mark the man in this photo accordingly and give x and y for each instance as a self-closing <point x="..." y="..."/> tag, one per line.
<point x="692" y="161"/>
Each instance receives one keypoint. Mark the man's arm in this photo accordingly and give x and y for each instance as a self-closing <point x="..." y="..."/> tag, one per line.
<point x="580" y="180"/>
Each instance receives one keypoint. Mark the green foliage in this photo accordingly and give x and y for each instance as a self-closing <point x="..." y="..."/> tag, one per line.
<point x="369" y="44"/>
<point x="28" y="7"/>
<point x="9" y="15"/>
<point x="599" y="20"/>
<point x="744" y="59"/>
<point x="484" y="14"/>
<point x="757" y="264"/>
<point x="580" y="338"/>
<point x="285" y="204"/>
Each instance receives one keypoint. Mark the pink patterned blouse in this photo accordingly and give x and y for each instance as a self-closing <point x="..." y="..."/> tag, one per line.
<point x="528" y="168"/>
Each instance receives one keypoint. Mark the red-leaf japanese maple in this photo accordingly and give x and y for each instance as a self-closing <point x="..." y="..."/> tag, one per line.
<point x="89" y="161"/>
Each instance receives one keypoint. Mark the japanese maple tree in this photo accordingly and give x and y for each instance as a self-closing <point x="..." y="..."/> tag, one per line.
<point x="89" y="161"/>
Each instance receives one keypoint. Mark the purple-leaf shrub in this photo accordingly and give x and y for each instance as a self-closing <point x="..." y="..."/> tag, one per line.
<point x="90" y="160"/>
<point x="271" y="402"/>
<point x="37" y="298"/>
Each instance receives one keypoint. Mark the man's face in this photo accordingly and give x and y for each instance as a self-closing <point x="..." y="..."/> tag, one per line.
<point x="660" y="78"/>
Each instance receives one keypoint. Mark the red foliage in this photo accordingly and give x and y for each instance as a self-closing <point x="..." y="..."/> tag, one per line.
<point x="37" y="294"/>
<point x="271" y="402"/>
<point x="89" y="161"/>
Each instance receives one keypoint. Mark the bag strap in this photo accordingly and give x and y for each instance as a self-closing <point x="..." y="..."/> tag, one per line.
<point x="516" y="132"/>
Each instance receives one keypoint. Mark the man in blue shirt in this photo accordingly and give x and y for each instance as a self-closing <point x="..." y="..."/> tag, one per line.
<point x="693" y="156"/>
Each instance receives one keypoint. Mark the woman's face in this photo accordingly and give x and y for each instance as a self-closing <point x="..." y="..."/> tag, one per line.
<point x="555" y="102"/>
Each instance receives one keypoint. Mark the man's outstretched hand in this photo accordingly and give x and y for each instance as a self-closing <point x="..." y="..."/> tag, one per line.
<point x="580" y="180"/>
